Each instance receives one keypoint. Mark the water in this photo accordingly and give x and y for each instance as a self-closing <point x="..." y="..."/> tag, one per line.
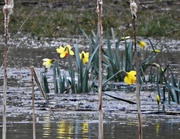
<point x="75" y="125"/>
<point x="119" y="120"/>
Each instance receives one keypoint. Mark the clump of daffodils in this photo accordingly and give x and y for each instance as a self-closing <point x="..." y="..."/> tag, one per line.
<point x="84" y="56"/>
<point x="130" y="77"/>
<point x="47" y="63"/>
<point x="64" y="51"/>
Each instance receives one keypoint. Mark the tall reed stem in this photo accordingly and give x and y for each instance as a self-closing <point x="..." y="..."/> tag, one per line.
<point x="7" y="10"/>
<point x="33" y="97"/>
<point x="133" y="8"/>
<point x="100" y="33"/>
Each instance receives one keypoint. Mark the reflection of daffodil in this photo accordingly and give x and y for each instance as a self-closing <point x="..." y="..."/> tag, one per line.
<point x="157" y="129"/>
<point x="46" y="126"/>
<point x="84" y="128"/>
<point x="141" y="44"/>
<point x="84" y="57"/>
<point x="130" y="77"/>
<point x="47" y="63"/>
<point x="64" y="51"/>
<point x="157" y="51"/>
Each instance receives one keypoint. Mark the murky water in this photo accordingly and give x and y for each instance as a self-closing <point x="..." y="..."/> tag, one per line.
<point x="77" y="125"/>
<point x="118" y="121"/>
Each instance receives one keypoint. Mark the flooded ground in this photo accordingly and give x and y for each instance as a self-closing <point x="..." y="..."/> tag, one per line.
<point x="76" y="115"/>
<point x="84" y="125"/>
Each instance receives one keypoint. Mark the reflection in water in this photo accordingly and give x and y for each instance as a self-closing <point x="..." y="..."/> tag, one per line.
<point x="76" y="128"/>
<point x="85" y="128"/>
<point x="47" y="126"/>
<point x="100" y="128"/>
<point x="71" y="130"/>
<point x="157" y="129"/>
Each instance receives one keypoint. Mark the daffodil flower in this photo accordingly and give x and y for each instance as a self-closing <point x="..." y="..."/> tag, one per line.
<point x="130" y="77"/>
<point x="64" y="51"/>
<point x="47" y="63"/>
<point x="141" y="44"/>
<point x="84" y="56"/>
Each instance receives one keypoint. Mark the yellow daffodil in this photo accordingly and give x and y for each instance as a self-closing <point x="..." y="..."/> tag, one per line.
<point x="84" y="57"/>
<point x="157" y="51"/>
<point x="47" y="63"/>
<point x="141" y="44"/>
<point x="64" y="51"/>
<point x="130" y="77"/>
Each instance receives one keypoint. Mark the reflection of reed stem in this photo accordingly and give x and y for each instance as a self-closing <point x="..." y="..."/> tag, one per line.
<point x="33" y="114"/>
<point x="100" y="32"/>
<point x="100" y="126"/>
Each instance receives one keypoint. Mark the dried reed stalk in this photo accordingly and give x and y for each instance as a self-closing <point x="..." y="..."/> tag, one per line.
<point x="38" y="83"/>
<point x="133" y="7"/>
<point x="100" y="33"/>
<point x="7" y="10"/>
<point x="33" y="97"/>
